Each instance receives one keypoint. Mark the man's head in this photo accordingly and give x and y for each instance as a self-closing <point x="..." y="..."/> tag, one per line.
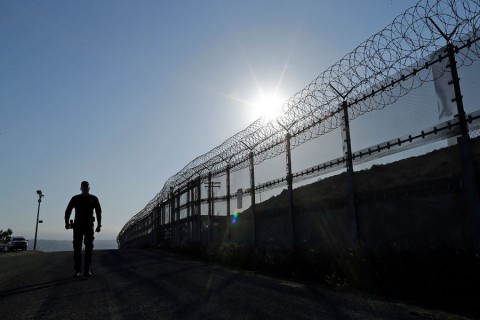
<point x="85" y="187"/>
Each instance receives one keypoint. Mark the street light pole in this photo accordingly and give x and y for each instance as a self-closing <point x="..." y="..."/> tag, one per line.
<point x="40" y="195"/>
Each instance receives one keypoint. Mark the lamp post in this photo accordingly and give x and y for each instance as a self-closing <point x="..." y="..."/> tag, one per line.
<point x="40" y="195"/>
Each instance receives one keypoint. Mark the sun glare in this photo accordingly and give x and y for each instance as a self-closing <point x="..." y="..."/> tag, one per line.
<point x="268" y="106"/>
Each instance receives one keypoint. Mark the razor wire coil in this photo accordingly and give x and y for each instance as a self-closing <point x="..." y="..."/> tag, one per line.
<point x="374" y="75"/>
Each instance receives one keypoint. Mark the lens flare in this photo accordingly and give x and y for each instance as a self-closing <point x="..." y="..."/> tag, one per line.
<point x="235" y="216"/>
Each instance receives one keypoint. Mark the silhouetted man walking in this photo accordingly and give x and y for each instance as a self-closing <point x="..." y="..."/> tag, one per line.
<point x="84" y="205"/>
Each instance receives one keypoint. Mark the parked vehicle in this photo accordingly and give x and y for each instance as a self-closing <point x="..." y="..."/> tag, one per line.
<point x="17" y="243"/>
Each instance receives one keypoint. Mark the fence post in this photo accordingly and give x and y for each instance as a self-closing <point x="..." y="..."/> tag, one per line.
<point x="252" y="195"/>
<point x="162" y="222"/>
<point x="194" y="210"/>
<point x="156" y="224"/>
<point x="228" y="202"/>
<point x="470" y="187"/>
<point x="210" y="207"/>
<point x="177" y="207"/>
<point x="199" y="209"/>
<point x="172" y="214"/>
<point x="290" y="190"/>
<point x="291" y="208"/>
<point x="347" y="149"/>
<point x="188" y="210"/>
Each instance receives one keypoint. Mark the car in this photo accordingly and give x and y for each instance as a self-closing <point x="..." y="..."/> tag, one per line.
<point x="17" y="243"/>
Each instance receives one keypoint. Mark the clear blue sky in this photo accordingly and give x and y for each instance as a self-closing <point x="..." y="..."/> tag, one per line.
<point x="125" y="93"/>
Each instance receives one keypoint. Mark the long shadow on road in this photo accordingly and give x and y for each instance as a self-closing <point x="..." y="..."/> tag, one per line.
<point x="38" y="286"/>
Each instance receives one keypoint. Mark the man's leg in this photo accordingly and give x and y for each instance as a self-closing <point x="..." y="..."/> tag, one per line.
<point x="77" y="249"/>
<point x="88" y="250"/>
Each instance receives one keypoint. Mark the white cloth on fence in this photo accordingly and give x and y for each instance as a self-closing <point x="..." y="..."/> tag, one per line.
<point x="445" y="92"/>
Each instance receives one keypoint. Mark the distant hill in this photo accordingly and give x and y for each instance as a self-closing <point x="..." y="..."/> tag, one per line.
<point x="66" y="245"/>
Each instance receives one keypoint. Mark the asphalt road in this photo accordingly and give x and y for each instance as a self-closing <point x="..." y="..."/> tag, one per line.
<point x="151" y="284"/>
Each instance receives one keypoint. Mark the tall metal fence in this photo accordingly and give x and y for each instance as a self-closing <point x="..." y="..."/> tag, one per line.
<point x="315" y="135"/>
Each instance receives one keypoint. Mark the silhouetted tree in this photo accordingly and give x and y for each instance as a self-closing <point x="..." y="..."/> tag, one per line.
<point x="6" y="235"/>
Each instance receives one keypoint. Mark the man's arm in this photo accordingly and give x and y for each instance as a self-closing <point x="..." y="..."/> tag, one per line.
<point x="68" y="212"/>
<point x="98" y="213"/>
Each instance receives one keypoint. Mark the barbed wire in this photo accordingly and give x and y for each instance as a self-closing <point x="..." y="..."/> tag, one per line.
<point x="374" y="75"/>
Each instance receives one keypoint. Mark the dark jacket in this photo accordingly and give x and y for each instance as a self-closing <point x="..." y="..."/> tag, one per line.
<point x="84" y="205"/>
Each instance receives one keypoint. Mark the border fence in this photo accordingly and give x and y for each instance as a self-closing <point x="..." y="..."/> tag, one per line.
<point x="426" y="46"/>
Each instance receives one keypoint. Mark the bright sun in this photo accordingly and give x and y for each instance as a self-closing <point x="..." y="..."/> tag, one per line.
<point x="268" y="106"/>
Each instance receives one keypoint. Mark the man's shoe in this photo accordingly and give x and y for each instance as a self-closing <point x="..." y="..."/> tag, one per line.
<point x="76" y="274"/>
<point x="87" y="273"/>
